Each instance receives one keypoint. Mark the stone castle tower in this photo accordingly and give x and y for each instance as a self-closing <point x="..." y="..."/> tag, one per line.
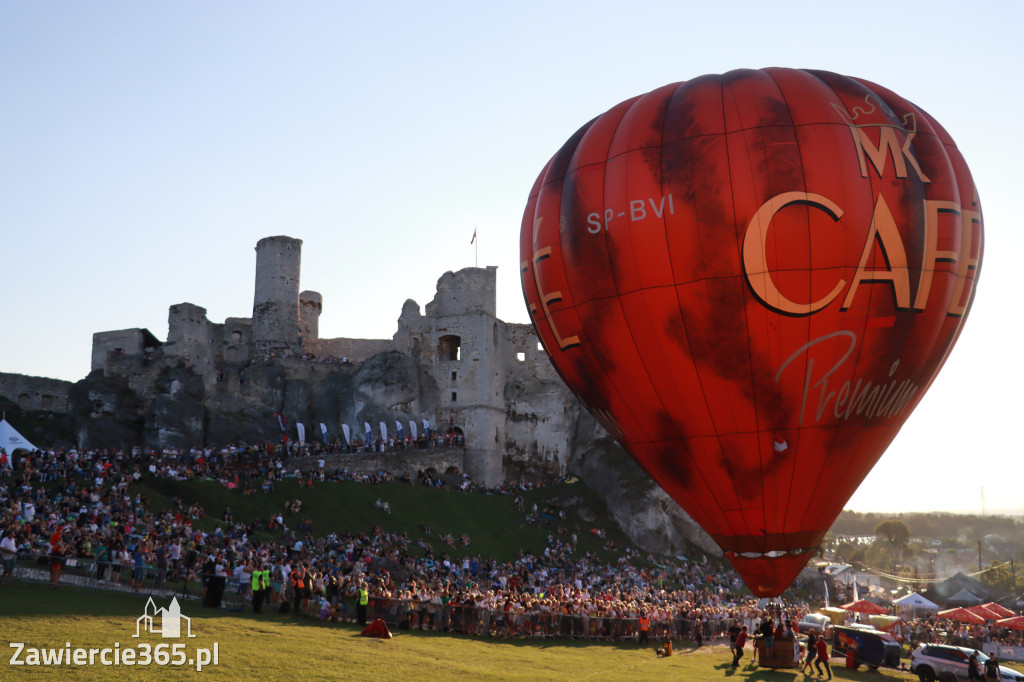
<point x="275" y="306"/>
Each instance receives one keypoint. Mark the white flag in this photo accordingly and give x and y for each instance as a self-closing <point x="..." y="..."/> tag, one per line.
<point x="412" y="429"/>
<point x="383" y="431"/>
<point x="323" y="430"/>
<point x="348" y="434"/>
<point x="302" y="432"/>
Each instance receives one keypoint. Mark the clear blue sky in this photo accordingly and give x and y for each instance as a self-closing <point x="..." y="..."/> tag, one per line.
<point x="146" y="147"/>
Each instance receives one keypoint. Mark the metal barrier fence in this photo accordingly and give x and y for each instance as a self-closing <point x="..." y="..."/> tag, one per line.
<point x="475" y="620"/>
<point x="88" y="574"/>
<point x="1003" y="652"/>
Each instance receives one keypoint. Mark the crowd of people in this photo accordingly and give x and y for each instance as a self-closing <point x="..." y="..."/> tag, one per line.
<point x="76" y="504"/>
<point x="61" y="505"/>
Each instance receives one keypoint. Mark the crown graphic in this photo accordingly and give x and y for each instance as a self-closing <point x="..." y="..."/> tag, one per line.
<point x="871" y="104"/>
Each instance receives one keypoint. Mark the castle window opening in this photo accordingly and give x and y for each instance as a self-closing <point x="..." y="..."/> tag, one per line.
<point x="47" y="402"/>
<point x="521" y="357"/>
<point x="23" y="399"/>
<point x="450" y="347"/>
<point x="455" y="375"/>
<point x="453" y="396"/>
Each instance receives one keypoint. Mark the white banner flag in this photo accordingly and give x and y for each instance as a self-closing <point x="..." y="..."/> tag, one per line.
<point x="323" y="430"/>
<point x="412" y="429"/>
<point x="302" y="432"/>
<point x="383" y="431"/>
<point x="348" y="434"/>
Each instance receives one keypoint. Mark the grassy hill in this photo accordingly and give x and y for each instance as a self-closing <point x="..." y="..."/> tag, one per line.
<point x="495" y="526"/>
<point x="289" y="647"/>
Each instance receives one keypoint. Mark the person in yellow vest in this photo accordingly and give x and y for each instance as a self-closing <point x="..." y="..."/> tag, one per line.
<point x="257" y="589"/>
<point x="362" y="599"/>
<point x="645" y="626"/>
<point x="265" y="582"/>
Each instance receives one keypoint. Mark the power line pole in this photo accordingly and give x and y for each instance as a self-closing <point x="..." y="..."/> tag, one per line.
<point x="979" y="556"/>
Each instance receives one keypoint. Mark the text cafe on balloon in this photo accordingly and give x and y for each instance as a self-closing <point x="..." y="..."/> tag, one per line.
<point x="750" y="280"/>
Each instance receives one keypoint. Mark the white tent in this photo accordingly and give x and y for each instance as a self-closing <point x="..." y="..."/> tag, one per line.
<point x="11" y="440"/>
<point x="914" y="600"/>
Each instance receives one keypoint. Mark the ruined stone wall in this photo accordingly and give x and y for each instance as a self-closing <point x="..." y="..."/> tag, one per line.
<point x="540" y="411"/>
<point x="35" y="393"/>
<point x="356" y="350"/>
<point x="236" y="339"/>
<point x="275" y="309"/>
<point x="119" y="342"/>
<point x="194" y="339"/>
<point x="311" y="304"/>
<point x="469" y="289"/>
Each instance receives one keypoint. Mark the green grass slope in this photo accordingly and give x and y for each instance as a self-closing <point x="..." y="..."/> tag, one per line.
<point x="289" y="647"/>
<point x="495" y="526"/>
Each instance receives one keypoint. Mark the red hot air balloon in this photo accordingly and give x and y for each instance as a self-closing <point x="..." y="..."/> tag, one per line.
<point x="750" y="280"/>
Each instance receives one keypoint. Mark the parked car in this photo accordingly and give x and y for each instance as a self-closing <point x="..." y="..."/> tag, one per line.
<point x="819" y="622"/>
<point x="930" y="661"/>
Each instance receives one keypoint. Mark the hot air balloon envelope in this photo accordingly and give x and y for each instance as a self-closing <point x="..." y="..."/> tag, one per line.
<point x="750" y="280"/>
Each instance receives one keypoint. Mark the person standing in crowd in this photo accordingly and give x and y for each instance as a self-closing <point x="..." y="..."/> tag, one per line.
<point x="257" y="589"/>
<point x="822" y="647"/>
<point x="974" y="667"/>
<point x="992" y="671"/>
<point x="8" y="555"/>
<point x="56" y="560"/>
<point x="741" y="640"/>
<point x="362" y="599"/>
<point x="734" y="631"/>
<point x="768" y="639"/>
<point x="160" y="553"/>
<point x="812" y="652"/>
<point x="645" y="626"/>
<point x="138" y="566"/>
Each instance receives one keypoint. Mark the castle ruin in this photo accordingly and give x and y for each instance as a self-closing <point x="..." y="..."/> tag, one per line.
<point x="453" y="363"/>
<point x="475" y="360"/>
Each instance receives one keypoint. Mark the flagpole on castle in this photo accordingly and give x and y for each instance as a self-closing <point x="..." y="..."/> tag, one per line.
<point x="476" y="252"/>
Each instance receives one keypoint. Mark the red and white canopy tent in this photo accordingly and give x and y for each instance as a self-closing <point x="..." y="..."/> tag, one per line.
<point x="961" y="614"/>
<point x="1014" y="623"/>
<point x="865" y="606"/>
<point x="1000" y="609"/>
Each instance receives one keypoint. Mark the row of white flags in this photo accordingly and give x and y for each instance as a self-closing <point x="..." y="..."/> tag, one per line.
<point x="347" y="432"/>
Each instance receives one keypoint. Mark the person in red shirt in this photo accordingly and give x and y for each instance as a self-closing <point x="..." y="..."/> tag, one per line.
<point x="56" y="558"/>
<point x="822" y="648"/>
<point x="741" y="639"/>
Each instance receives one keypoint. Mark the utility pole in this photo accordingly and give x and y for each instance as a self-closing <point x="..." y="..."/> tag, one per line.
<point x="979" y="555"/>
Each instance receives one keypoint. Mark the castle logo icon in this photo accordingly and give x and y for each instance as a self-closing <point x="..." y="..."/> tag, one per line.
<point x="166" y="622"/>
